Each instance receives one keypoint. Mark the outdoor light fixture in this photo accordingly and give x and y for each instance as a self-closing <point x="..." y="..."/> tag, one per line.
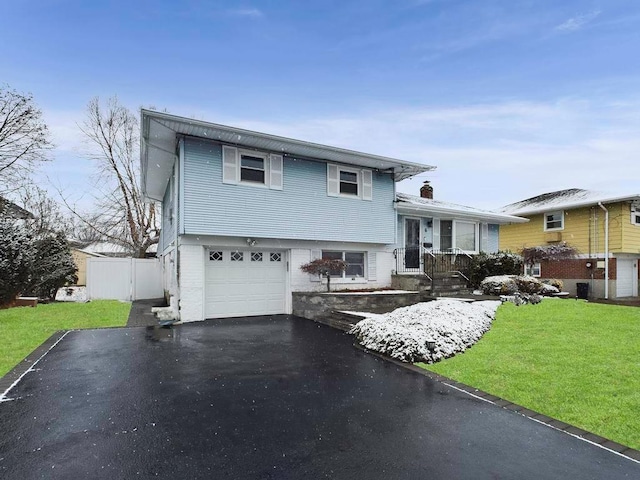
<point x="431" y="345"/>
<point x="251" y="242"/>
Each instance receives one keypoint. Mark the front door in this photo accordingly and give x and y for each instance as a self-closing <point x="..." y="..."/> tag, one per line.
<point x="412" y="243"/>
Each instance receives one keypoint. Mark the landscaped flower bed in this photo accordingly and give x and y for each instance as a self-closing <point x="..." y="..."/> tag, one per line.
<point x="427" y="332"/>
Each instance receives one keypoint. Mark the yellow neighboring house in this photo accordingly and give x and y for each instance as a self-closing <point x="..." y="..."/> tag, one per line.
<point x="605" y="229"/>
<point x="80" y="259"/>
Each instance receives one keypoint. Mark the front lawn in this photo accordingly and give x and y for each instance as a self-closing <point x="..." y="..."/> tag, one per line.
<point x="575" y="361"/>
<point x="23" y="329"/>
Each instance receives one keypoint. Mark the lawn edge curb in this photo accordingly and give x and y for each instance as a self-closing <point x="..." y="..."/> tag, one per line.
<point x="10" y="379"/>
<point x="589" y="437"/>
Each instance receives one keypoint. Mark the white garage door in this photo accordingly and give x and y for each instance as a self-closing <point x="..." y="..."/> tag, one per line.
<point x="626" y="285"/>
<point x="239" y="283"/>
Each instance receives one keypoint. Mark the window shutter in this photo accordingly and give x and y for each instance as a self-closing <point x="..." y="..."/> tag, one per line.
<point x="367" y="185"/>
<point x="230" y="164"/>
<point x="333" y="180"/>
<point x="275" y="172"/>
<point x="436" y="234"/>
<point x="315" y="255"/>
<point x="484" y="237"/>
<point x="371" y="266"/>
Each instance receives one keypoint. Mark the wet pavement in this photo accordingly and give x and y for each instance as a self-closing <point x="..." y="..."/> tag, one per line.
<point x="265" y="398"/>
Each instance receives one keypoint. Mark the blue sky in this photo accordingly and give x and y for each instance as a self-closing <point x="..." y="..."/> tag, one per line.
<point x="508" y="99"/>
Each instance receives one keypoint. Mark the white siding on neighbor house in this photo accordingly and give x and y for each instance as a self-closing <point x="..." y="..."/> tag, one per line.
<point x="193" y="260"/>
<point x="302" y="210"/>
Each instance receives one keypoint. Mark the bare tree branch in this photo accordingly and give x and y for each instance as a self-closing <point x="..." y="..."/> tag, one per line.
<point x="24" y="137"/>
<point x="123" y="215"/>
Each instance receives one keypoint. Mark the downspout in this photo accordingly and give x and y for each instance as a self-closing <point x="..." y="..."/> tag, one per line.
<point x="606" y="250"/>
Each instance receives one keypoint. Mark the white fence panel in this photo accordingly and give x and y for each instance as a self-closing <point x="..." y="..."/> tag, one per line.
<point x="124" y="278"/>
<point x="147" y="278"/>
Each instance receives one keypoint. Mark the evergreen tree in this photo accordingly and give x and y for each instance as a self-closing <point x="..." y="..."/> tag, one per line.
<point x="53" y="266"/>
<point x="16" y="258"/>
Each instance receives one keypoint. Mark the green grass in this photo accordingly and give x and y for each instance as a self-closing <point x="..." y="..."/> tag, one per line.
<point x="571" y="360"/>
<point x="23" y="329"/>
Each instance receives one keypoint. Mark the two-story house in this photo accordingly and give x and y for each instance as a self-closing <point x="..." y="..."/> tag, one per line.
<point x="242" y="211"/>
<point x="605" y="229"/>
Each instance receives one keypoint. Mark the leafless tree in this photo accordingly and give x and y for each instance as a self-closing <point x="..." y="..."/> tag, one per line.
<point x="47" y="214"/>
<point x="24" y="137"/>
<point x="121" y="214"/>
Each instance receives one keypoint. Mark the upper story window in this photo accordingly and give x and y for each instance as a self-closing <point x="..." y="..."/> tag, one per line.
<point x="554" y="220"/>
<point x="349" y="182"/>
<point x="251" y="167"/>
<point x="635" y="218"/>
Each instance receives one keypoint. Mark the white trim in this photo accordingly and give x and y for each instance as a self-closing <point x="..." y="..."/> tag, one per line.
<point x="551" y="212"/>
<point x="358" y="181"/>
<point x="265" y="167"/>
<point x="529" y="268"/>
<point x="367" y="185"/>
<point x="351" y="279"/>
<point x="276" y="172"/>
<point x="404" y="230"/>
<point x="635" y="218"/>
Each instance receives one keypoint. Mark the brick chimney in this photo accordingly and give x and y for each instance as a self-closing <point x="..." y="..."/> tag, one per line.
<point x="426" y="191"/>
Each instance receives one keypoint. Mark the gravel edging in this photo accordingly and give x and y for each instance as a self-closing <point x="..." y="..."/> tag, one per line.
<point x="615" y="447"/>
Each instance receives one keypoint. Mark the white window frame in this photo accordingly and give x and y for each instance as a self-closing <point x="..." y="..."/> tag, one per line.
<point x="253" y="153"/>
<point x="545" y="222"/>
<point x="344" y="276"/>
<point x="358" y="182"/>
<point x="454" y="245"/>
<point x="635" y="218"/>
<point x="531" y="269"/>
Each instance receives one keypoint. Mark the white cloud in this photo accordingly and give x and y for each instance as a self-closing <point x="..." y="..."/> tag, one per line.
<point x="576" y="23"/>
<point x="492" y="154"/>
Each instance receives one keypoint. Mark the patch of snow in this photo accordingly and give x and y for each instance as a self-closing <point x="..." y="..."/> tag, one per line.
<point x="72" y="294"/>
<point x="362" y="314"/>
<point x="374" y="292"/>
<point x="405" y="333"/>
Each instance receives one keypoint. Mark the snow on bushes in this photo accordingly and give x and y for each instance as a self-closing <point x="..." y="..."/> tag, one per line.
<point x="499" y="285"/>
<point x="404" y="333"/>
<point x="511" y="284"/>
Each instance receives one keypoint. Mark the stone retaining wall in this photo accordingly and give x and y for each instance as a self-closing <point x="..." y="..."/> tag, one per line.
<point x="314" y="305"/>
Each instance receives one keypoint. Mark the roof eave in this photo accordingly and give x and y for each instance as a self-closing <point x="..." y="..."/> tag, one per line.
<point x="488" y="217"/>
<point x="570" y="206"/>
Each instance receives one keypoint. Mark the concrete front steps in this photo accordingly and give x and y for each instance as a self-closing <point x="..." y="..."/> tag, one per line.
<point x="444" y="284"/>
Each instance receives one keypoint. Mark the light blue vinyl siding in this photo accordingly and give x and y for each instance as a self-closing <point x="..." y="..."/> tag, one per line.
<point x="301" y="210"/>
<point x="494" y="238"/>
<point x="168" y="228"/>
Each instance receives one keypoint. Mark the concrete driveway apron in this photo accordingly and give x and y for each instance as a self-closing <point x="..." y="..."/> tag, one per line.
<point x="265" y="397"/>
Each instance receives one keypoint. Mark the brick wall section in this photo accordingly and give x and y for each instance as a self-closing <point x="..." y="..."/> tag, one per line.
<point x="576" y="268"/>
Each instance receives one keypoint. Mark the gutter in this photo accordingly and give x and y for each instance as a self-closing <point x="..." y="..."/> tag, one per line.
<point x="606" y="250"/>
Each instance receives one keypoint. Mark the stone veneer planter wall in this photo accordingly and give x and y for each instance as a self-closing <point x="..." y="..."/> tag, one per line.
<point x="314" y="305"/>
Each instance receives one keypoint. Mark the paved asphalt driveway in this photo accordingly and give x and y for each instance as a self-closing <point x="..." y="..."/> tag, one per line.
<point x="281" y="398"/>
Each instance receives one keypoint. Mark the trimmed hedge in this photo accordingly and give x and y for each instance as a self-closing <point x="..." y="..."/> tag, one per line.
<point x="486" y="265"/>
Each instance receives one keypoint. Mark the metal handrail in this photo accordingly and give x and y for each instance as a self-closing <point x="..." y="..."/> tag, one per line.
<point x="461" y="274"/>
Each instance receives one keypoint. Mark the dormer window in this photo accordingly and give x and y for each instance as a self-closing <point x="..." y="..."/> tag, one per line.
<point x="554" y="220"/>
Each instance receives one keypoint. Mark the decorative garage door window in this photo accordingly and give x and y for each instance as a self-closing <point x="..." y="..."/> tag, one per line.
<point x="275" y="257"/>
<point x="237" y="256"/>
<point x="256" y="256"/>
<point x="215" y="256"/>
